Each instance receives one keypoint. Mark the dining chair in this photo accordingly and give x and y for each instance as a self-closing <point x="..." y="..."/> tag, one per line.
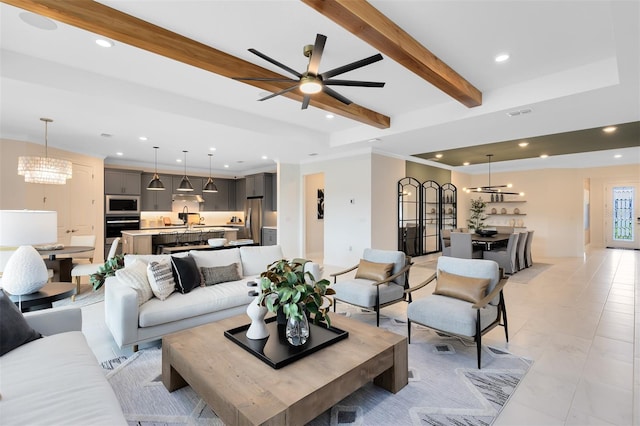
<point x="462" y="246"/>
<point x="506" y="258"/>
<point x="527" y="250"/>
<point x="380" y="280"/>
<point x="83" y="240"/>
<point x="445" y="242"/>
<point x="467" y="301"/>
<point x="87" y="269"/>
<point x="522" y="241"/>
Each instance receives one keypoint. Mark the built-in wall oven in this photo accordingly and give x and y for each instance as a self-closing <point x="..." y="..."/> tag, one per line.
<point x="115" y="224"/>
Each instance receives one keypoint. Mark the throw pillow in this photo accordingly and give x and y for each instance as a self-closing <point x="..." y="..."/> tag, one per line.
<point x="185" y="273"/>
<point x="374" y="271"/>
<point x="464" y="288"/>
<point x="220" y="274"/>
<point x="160" y="276"/>
<point x="135" y="276"/>
<point x="14" y="329"/>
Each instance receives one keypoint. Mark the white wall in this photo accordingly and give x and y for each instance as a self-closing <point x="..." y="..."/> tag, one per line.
<point x="290" y="210"/>
<point x="385" y="174"/>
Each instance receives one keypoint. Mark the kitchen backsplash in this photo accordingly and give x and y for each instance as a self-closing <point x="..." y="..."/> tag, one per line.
<point x="155" y="219"/>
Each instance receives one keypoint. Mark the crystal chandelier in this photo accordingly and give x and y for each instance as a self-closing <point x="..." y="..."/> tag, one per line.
<point x="45" y="170"/>
<point x="492" y="189"/>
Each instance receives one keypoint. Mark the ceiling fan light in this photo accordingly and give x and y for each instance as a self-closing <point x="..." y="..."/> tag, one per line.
<point x="310" y="85"/>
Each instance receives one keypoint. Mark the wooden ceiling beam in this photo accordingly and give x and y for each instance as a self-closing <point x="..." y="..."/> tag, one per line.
<point x="108" y="22"/>
<point x="365" y="21"/>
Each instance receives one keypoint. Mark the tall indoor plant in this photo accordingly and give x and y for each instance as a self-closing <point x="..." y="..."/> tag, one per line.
<point x="477" y="217"/>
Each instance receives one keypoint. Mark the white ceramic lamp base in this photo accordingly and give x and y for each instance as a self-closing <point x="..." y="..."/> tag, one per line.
<point x="25" y="272"/>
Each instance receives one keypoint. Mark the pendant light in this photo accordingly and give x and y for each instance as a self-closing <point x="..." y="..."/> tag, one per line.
<point x="156" y="183"/>
<point x="492" y="189"/>
<point x="44" y="169"/>
<point x="210" y="186"/>
<point x="185" y="184"/>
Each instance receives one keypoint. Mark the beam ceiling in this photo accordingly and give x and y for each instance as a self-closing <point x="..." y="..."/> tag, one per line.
<point x="100" y="19"/>
<point x="365" y="21"/>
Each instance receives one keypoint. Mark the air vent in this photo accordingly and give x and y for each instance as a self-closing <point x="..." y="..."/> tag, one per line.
<point x="519" y="112"/>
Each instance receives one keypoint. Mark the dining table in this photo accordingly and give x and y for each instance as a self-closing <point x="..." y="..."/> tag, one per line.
<point x="490" y="241"/>
<point x="61" y="266"/>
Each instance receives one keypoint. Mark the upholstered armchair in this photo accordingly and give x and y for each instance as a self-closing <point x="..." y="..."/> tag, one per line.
<point x="467" y="301"/>
<point x="380" y="280"/>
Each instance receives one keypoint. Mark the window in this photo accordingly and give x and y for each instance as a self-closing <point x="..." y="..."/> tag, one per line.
<point x="623" y="201"/>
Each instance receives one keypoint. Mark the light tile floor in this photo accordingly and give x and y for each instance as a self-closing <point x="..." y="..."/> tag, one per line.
<point x="576" y="320"/>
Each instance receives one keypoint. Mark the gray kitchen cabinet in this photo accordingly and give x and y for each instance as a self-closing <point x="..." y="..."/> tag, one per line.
<point x="255" y="185"/>
<point x="241" y="193"/>
<point x="156" y="200"/>
<point x="221" y="200"/>
<point x="121" y="182"/>
<point x="274" y="192"/>
<point x="269" y="237"/>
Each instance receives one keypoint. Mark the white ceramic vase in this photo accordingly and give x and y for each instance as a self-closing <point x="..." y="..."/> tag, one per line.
<point x="258" y="328"/>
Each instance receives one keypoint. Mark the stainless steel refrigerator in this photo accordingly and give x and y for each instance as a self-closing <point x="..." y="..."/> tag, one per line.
<point x="253" y="219"/>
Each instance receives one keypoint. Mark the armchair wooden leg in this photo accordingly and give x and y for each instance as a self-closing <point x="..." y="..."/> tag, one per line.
<point x="73" y="298"/>
<point x="478" y="338"/>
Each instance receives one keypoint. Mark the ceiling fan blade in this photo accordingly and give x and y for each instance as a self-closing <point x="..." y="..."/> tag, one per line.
<point x="305" y="101"/>
<point x="273" y="95"/>
<point x="352" y="66"/>
<point x="329" y="91"/>
<point x="316" y="54"/>
<point x="290" y="80"/>
<point x="274" y="62"/>
<point x="353" y="83"/>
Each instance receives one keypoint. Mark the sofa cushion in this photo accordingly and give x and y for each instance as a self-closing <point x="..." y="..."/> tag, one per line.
<point x="256" y="259"/>
<point x="185" y="273"/>
<point x="373" y="271"/>
<point x="135" y="276"/>
<point x="469" y="289"/>
<point x="160" y="276"/>
<point x="220" y="274"/>
<point x="210" y="258"/>
<point x="14" y="330"/>
<point x="200" y="301"/>
<point x="56" y="380"/>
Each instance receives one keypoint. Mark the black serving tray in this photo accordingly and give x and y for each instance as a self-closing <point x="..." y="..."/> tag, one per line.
<point x="276" y="351"/>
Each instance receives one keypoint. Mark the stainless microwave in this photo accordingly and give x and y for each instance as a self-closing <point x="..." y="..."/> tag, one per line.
<point x="122" y="204"/>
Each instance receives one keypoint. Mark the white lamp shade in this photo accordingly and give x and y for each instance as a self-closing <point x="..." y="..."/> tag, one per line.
<point x="28" y="227"/>
<point x="25" y="272"/>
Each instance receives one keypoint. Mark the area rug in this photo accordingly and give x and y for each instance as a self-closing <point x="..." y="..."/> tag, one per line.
<point x="86" y="297"/>
<point x="524" y="276"/>
<point x="445" y="387"/>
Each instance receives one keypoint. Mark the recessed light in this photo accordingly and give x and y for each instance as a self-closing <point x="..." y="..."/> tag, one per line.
<point x="212" y="149"/>
<point x="523" y="144"/>
<point x="119" y="154"/>
<point x="438" y="155"/>
<point x="543" y="156"/>
<point x="502" y="57"/>
<point x="610" y="129"/>
<point x="617" y="156"/>
<point x="38" y="21"/>
<point x="466" y="163"/>
<point x="143" y="138"/>
<point x="329" y="116"/>
<point x="178" y="160"/>
<point x="104" y="43"/>
<point x="264" y="157"/>
<point x="226" y="166"/>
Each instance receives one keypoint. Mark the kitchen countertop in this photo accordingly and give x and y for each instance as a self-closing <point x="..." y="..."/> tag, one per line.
<point x="195" y="228"/>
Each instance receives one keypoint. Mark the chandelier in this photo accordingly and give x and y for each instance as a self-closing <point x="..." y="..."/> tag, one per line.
<point x="45" y="170"/>
<point x="492" y="189"/>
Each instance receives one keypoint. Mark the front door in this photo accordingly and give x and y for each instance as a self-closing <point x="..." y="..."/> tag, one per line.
<point x="622" y="216"/>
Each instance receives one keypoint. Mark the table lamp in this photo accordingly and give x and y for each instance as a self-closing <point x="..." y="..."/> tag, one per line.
<point x="25" y="271"/>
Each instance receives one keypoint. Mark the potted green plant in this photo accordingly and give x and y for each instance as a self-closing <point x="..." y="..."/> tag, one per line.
<point x="477" y="217"/>
<point x="285" y="285"/>
<point x="107" y="270"/>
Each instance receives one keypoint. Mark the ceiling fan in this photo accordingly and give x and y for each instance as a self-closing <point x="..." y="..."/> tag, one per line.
<point x="312" y="81"/>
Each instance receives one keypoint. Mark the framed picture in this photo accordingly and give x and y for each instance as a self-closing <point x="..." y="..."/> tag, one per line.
<point x="321" y="203"/>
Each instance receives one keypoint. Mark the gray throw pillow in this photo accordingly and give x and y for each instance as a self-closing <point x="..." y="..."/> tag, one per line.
<point x="14" y="329"/>
<point x="220" y="274"/>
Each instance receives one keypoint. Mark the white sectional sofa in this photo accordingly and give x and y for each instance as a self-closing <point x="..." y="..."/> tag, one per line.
<point x="132" y="324"/>
<point x="56" y="380"/>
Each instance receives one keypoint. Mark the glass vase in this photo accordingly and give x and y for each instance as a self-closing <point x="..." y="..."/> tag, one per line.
<point x="297" y="330"/>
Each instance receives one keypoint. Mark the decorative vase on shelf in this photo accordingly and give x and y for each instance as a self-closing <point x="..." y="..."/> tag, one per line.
<point x="258" y="328"/>
<point x="297" y="329"/>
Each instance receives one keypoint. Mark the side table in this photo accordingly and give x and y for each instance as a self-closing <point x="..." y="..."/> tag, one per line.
<point x="44" y="298"/>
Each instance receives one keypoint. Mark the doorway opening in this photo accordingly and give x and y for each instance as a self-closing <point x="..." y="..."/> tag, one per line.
<point x="621" y="221"/>
<point x="314" y="217"/>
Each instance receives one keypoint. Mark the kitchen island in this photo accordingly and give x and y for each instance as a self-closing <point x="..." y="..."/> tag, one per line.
<point x="142" y="241"/>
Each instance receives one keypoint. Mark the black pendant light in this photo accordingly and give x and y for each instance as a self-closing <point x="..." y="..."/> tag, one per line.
<point x="210" y="186"/>
<point x="155" y="184"/>
<point x="185" y="184"/>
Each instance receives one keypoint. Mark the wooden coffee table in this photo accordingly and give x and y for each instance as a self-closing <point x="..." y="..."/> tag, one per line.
<point x="243" y="390"/>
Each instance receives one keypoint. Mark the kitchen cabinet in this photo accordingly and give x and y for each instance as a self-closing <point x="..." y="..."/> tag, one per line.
<point x="274" y="192"/>
<point x="269" y="236"/>
<point x="121" y="182"/>
<point x="196" y="182"/>
<point x="156" y="200"/>
<point x="223" y="200"/>
<point x="241" y="193"/>
<point x="139" y="244"/>
<point x="255" y="185"/>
